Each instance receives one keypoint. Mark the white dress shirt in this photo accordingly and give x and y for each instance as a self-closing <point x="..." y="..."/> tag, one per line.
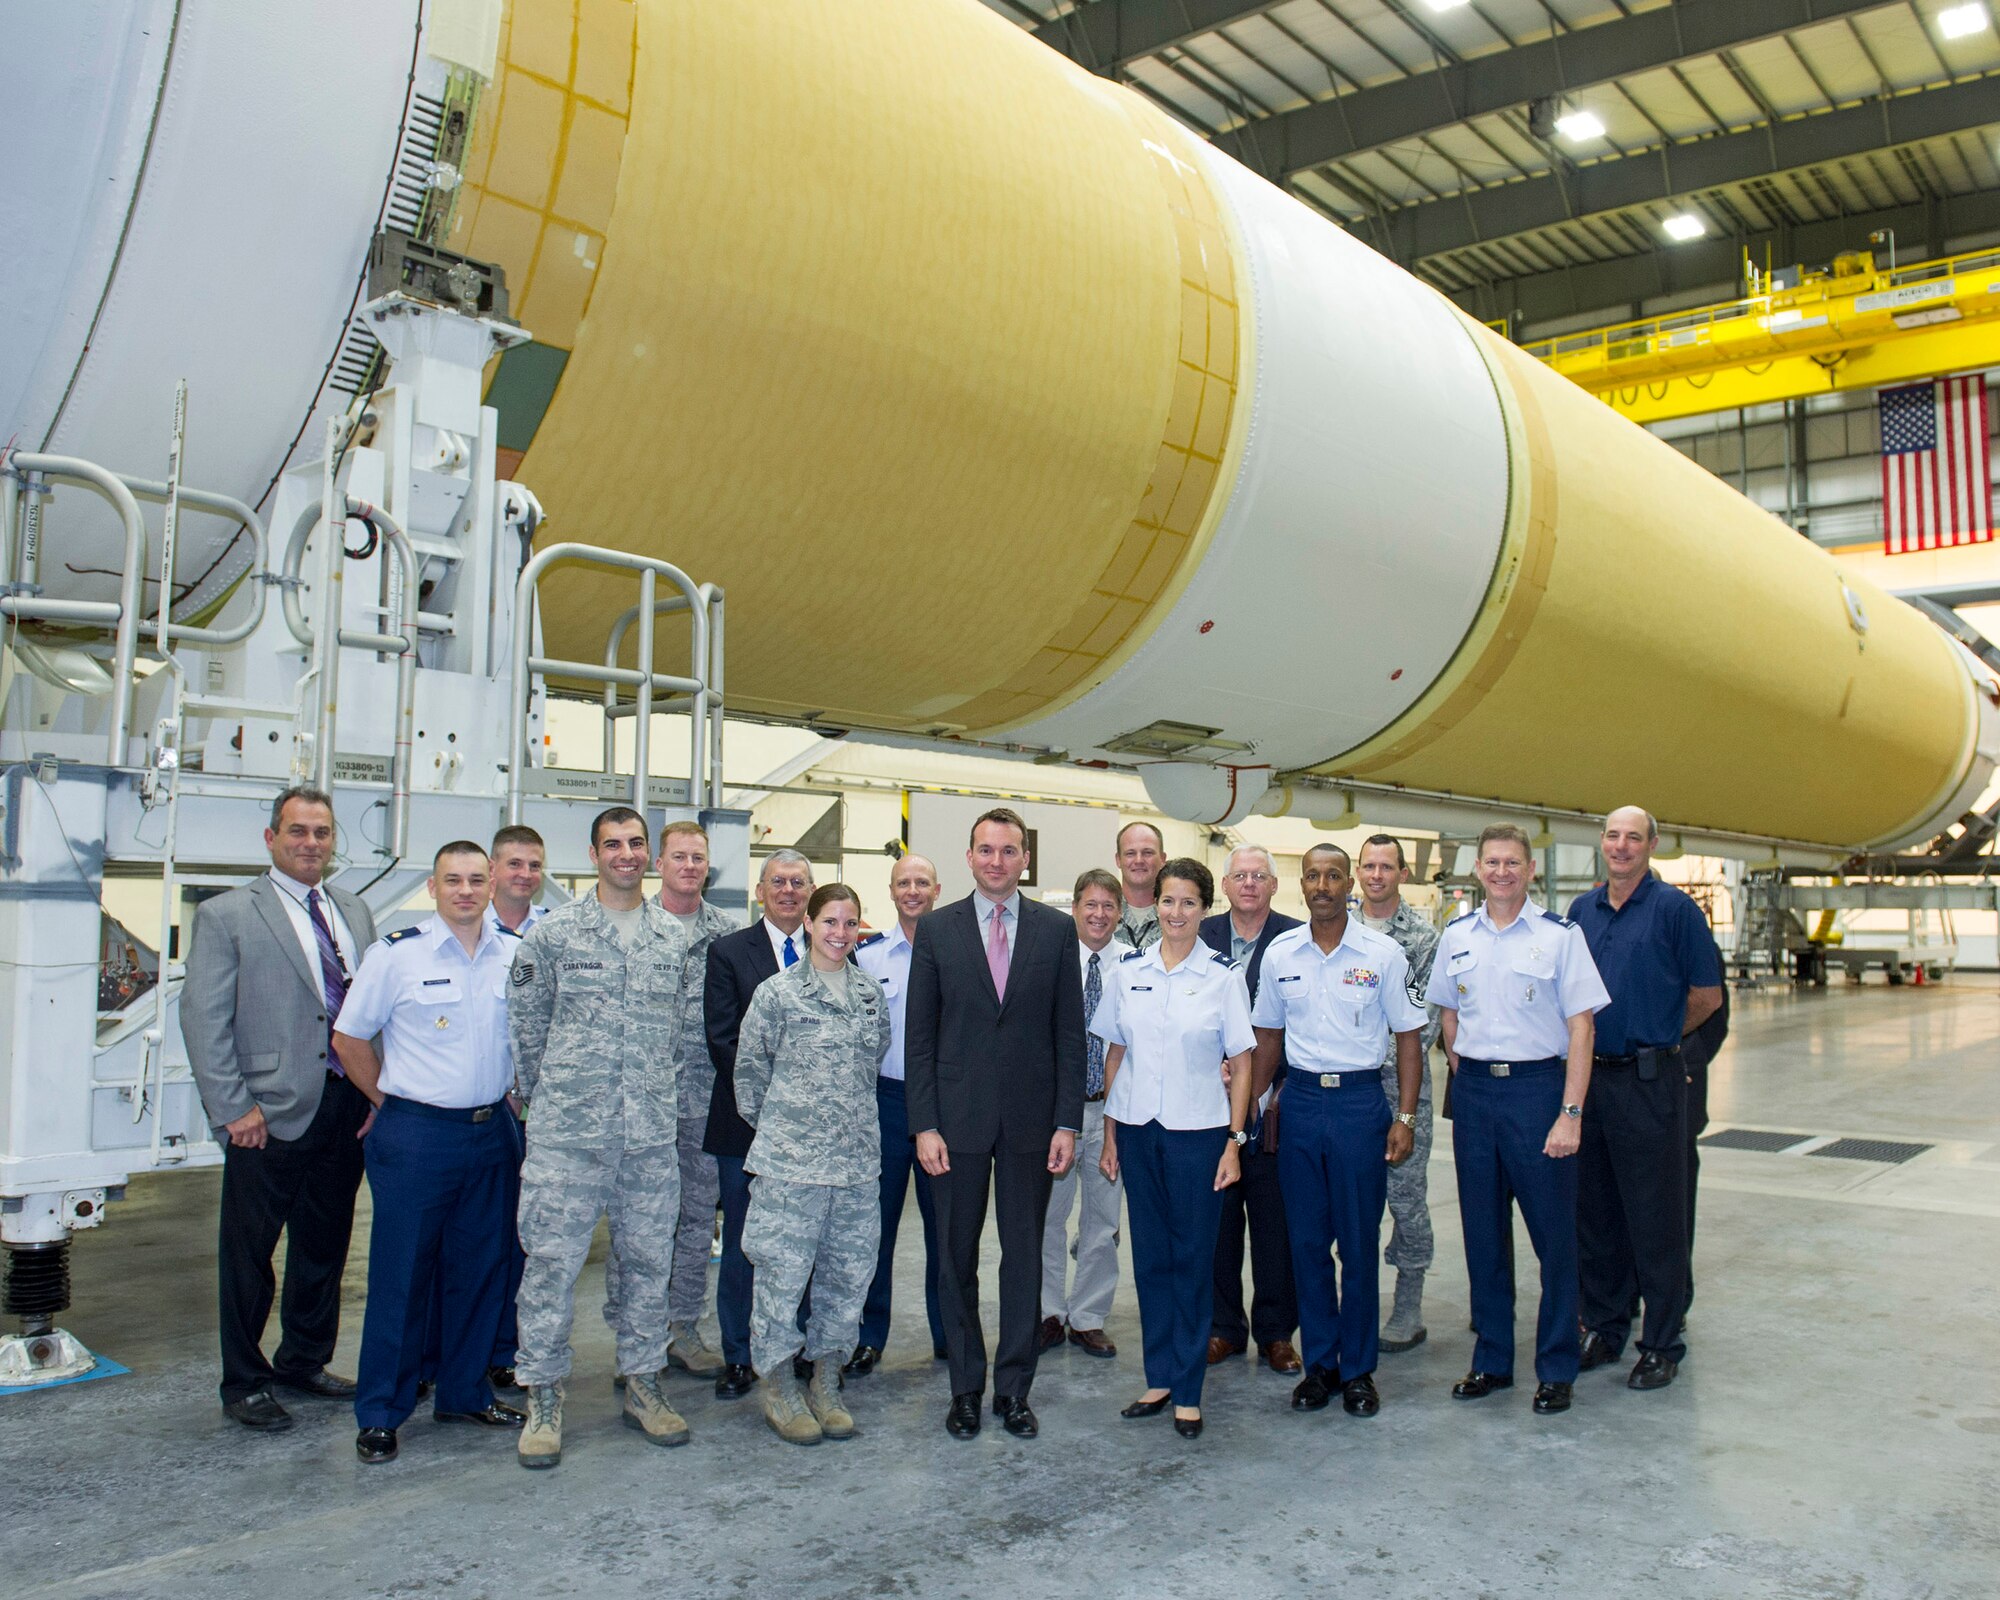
<point x="1515" y="988"/>
<point x="1177" y="1029"/>
<point x="887" y="960"/>
<point x="294" y="893"/>
<point x="777" y="936"/>
<point x="1338" y="1008"/>
<point x="442" y="1014"/>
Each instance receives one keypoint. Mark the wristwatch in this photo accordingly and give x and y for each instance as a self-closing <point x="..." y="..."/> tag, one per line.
<point x="1239" y="1137"/>
<point x="1407" y="1118"/>
<point x="1572" y="1111"/>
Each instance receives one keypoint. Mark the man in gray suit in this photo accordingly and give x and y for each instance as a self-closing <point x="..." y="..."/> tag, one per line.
<point x="266" y="974"/>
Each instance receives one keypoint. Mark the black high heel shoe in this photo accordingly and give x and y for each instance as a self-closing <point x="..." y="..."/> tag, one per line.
<point x="1146" y="1408"/>
<point x="1188" y="1427"/>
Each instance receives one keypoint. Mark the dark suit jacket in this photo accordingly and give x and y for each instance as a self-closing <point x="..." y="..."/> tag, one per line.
<point x="988" y="1075"/>
<point x="737" y="963"/>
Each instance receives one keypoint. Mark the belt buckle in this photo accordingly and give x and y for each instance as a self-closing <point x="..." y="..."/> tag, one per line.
<point x="1329" y="1080"/>
<point x="483" y="1114"/>
<point x="1500" y="1069"/>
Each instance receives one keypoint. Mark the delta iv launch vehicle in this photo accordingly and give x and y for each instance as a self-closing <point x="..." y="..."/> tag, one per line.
<point x="1004" y="408"/>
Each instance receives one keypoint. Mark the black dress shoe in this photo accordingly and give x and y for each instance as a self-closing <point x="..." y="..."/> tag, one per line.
<point x="1188" y="1427"/>
<point x="260" y="1412"/>
<point x="375" y="1445"/>
<point x="1594" y="1352"/>
<point x="1358" y="1397"/>
<point x="939" y="1353"/>
<point x="1016" y="1415"/>
<point x="1313" y="1391"/>
<point x="1478" y="1385"/>
<point x="1146" y="1408"/>
<point x="502" y="1378"/>
<point x="326" y="1385"/>
<point x="862" y="1362"/>
<point x="962" y="1420"/>
<point x="1654" y="1371"/>
<point x="733" y="1382"/>
<point x="1551" y="1398"/>
<point x="494" y="1416"/>
<point x="425" y="1389"/>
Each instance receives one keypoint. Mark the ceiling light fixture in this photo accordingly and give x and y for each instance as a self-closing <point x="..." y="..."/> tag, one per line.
<point x="1959" y="22"/>
<point x="1684" y="225"/>
<point x="1442" y="6"/>
<point x="1580" y="126"/>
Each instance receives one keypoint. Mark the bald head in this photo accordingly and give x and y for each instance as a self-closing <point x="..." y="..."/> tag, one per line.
<point x="913" y="885"/>
<point x="1628" y="817"/>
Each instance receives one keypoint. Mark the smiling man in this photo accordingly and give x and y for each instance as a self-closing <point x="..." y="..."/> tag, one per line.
<point x="1658" y="959"/>
<point x="1142" y="851"/>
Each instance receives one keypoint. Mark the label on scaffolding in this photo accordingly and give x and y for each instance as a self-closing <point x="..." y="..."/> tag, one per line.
<point x="562" y="783"/>
<point x="1910" y="294"/>
<point x="360" y="769"/>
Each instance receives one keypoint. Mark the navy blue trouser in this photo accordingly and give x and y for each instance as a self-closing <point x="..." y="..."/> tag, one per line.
<point x="507" y="1341"/>
<point x="440" y="1182"/>
<point x="899" y="1163"/>
<point x="1498" y="1129"/>
<point x="1173" y="1210"/>
<point x="735" y="1277"/>
<point x="1331" y="1162"/>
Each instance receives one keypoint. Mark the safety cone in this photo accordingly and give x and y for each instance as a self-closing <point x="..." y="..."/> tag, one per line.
<point x="1920" y="980"/>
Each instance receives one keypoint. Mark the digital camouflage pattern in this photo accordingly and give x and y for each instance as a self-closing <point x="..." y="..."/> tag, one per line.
<point x="805" y="1077"/>
<point x="824" y="1232"/>
<point x="1411" y="1246"/>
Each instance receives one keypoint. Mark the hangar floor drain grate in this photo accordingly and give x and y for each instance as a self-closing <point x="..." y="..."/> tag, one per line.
<point x="1888" y="1150"/>
<point x="1751" y="1139"/>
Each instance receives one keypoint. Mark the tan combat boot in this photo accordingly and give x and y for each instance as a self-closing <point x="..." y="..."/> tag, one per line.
<point x="786" y="1412"/>
<point x="541" y="1439"/>
<point x="686" y="1350"/>
<point x="647" y="1410"/>
<point x="823" y="1395"/>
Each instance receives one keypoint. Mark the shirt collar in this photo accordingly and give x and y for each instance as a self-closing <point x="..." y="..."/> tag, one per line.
<point x="1199" y="958"/>
<point x="437" y="934"/>
<point x="1011" y="905"/>
<point x="778" y="936"/>
<point x="290" y="885"/>
<point x="1528" y="910"/>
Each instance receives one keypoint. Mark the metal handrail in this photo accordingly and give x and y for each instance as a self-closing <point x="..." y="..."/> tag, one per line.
<point x="223" y="505"/>
<point x="124" y="612"/>
<point x="701" y="602"/>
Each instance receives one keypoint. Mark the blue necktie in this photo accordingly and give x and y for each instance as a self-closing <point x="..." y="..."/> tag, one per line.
<point x="1093" y="1072"/>
<point x="332" y="971"/>
<point x="791" y="955"/>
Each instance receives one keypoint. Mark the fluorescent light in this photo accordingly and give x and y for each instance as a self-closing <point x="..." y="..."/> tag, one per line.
<point x="1579" y="126"/>
<point x="1441" y="6"/>
<point x="1683" y="225"/>
<point x="1958" y="22"/>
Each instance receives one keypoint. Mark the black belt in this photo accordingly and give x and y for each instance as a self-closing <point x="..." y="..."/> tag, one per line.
<point x="447" y="1113"/>
<point x="1664" y="1052"/>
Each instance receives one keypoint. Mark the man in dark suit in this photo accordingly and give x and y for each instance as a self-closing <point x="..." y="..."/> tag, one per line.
<point x="1242" y="933"/>
<point x="994" y="1050"/>
<point x="737" y="963"/>
<point x="267" y="971"/>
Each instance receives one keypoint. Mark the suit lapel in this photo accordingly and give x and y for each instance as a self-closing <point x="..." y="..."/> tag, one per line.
<point x="266" y="893"/>
<point x="971" y="921"/>
<point x="762" y="956"/>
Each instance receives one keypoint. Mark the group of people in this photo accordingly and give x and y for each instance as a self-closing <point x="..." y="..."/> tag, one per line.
<point x="507" y="1076"/>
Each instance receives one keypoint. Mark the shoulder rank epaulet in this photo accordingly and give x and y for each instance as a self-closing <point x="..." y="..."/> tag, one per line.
<point x="873" y="938"/>
<point x="511" y="933"/>
<point x="400" y="933"/>
<point x="1130" y="955"/>
<point x="1222" y="960"/>
<point x="1561" y="922"/>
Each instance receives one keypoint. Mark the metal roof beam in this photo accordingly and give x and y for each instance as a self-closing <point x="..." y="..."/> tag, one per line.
<point x="1614" y="286"/>
<point x="1111" y="34"/>
<point x="1388" y="113"/>
<point x="1665" y="173"/>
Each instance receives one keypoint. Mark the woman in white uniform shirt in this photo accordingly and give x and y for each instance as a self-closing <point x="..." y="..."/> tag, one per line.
<point x="1173" y="1017"/>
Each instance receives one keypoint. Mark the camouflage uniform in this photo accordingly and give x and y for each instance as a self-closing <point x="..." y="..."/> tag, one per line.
<point x="1138" y="927"/>
<point x="805" y="1080"/>
<point x="694" y="1234"/>
<point x="596" y="1035"/>
<point x="1410" y="1243"/>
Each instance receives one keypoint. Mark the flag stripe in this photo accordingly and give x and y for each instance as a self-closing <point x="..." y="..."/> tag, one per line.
<point x="1937" y="487"/>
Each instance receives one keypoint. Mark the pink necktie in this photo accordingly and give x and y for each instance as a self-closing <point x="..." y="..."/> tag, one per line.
<point x="996" y="953"/>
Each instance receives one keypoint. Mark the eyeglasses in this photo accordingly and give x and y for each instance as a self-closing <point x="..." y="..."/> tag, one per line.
<point x="1248" y="877"/>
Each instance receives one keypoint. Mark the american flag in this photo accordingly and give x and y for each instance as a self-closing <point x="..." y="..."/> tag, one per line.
<point x="1937" y="486"/>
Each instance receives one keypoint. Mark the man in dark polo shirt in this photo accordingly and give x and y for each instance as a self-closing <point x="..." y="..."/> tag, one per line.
<point x="1658" y="959"/>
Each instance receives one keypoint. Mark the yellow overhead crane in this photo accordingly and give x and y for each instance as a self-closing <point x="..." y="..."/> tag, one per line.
<point x="1851" y="327"/>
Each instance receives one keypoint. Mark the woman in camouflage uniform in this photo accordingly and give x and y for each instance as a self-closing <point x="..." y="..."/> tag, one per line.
<point x="805" y="1080"/>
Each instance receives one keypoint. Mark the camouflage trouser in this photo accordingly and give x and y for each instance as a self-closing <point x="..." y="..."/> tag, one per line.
<point x="694" y="1237"/>
<point x="564" y="1190"/>
<point x="824" y="1232"/>
<point x="1410" y="1244"/>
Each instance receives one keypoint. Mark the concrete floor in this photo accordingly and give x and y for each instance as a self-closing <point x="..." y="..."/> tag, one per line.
<point x="1834" y="1432"/>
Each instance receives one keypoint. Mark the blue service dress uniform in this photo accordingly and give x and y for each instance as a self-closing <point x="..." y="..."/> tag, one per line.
<point x="442" y="1157"/>
<point x="1172" y="1113"/>
<point x="1338" y="1009"/>
<point x="1515" y="989"/>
